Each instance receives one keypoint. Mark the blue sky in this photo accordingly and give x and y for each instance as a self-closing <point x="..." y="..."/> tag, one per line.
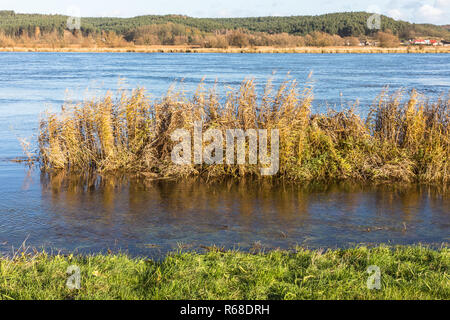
<point x="420" y="11"/>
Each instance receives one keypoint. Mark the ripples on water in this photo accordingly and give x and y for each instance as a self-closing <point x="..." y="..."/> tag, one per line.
<point x="143" y="217"/>
<point x="93" y="214"/>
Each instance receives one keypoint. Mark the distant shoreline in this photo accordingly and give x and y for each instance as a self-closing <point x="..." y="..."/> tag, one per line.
<point x="188" y="49"/>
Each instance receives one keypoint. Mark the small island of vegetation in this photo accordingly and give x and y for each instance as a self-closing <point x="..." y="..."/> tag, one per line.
<point x="401" y="140"/>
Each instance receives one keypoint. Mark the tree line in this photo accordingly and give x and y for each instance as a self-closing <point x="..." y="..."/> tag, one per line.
<point x="323" y="30"/>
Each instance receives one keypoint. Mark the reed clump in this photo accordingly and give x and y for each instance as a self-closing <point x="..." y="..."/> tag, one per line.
<point x="401" y="140"/>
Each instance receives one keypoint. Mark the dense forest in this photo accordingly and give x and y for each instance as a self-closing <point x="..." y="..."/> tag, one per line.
<point x="322" y="30"/>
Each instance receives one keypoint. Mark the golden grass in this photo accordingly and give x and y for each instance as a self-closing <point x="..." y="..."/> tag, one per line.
<point x="196" y="49"/>
<point x="399" y="141"/>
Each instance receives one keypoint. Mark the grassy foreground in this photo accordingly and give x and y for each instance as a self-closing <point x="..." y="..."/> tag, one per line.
<point x="412" y="272"/>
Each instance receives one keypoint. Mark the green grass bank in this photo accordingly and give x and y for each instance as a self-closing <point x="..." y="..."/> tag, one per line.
<point x="407" y="272"/>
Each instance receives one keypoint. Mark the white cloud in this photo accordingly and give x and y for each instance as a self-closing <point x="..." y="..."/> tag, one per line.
<point x="110" y="13"/>
<point x="373" y="8"/>
<point x="442" y="3"/>
<point x="224" y="13"/>
<point x="396" y="14"/>
<point x="419" y="11"/>
<point x="429" y="13"/>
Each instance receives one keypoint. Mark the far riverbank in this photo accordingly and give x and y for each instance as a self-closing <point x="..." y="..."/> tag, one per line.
<point x="191" y="49"/>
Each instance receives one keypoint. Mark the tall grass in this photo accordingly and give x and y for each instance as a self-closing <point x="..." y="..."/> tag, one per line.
<point x="401" y="139"/>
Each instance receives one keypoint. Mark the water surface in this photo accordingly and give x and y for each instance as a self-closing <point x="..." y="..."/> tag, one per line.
<point x="94" y="214"/>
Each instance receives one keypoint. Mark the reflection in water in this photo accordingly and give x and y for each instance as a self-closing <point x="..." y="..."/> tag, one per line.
<point x="95" y="213"/>
<point x="92" y="214"/>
